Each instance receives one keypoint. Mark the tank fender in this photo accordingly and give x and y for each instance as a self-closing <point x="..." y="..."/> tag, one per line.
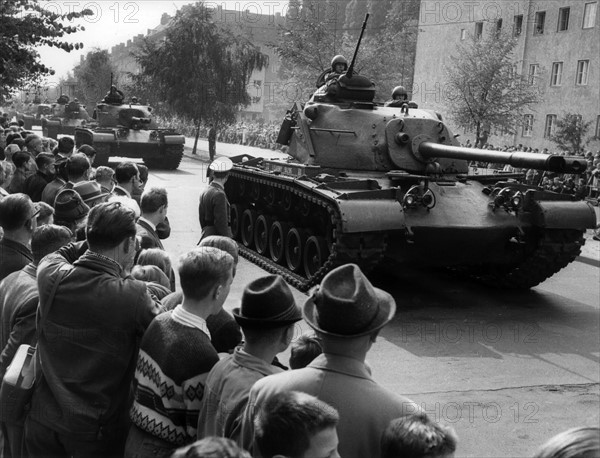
<point x="371" y="215"/>
<point x="174" y="139"/>
<point x="104" y="137"/>
<point x="564" y="215"/>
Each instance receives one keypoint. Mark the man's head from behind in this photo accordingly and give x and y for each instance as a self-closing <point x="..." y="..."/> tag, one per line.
<point x="154" y="204"/>
<point x="65" y="146"/>
<point x="206" y="274"/>
<point x="226" y="244"/>
<point x="47" y="239"/>
<point x="17" y="214"/>
<point x="111" y="231"/>
<point x="291" y="424"/>
<point x="77" y="167"/>
<point x="416" y="436"/>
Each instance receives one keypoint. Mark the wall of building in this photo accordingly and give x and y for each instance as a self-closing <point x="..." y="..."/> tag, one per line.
<point x="442" y="24"/>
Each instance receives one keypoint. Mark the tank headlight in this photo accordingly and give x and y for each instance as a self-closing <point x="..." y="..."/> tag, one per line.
<point x="517" y="200"/>
<point x="410" y="200"/>
<point x="499" y="200"/>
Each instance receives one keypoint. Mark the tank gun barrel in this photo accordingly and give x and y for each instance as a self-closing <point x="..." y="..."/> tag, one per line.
<point x="549" y="162"/>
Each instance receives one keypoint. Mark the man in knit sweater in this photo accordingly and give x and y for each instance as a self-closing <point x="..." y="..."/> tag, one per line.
<point x="176" y="356"/>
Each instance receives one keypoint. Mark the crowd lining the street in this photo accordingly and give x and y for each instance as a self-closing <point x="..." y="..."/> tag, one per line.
<point x="131" y="366"/>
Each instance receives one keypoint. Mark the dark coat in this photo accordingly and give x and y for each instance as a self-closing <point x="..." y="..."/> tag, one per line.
<point x="18" y="305"/>
<point x="35" y="184"/>
<point x="89" y="343"/>
<point x="148" y="236"/>
<point x="214" y="211"/>
<point x="13" y="256"/>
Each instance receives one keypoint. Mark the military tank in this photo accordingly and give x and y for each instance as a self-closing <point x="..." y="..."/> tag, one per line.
<point x="66" y="115"/>
<point x="366" y="183"/>
<point x="128" y="130"/>
<point x="34" y="113"/>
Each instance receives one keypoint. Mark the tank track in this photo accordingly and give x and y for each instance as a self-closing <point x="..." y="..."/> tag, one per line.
<point x="364" y="249"/>
<point x="556" y="249"/>
<point x="172" y="158"/>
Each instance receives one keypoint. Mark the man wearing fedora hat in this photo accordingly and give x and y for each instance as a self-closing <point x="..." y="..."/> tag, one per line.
<point x="347" y="313"/>
<point x="214" y="207"/>
<point x="267" y="316"/>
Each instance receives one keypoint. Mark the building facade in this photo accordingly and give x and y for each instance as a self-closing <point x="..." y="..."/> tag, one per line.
<point x="260" y="29"/>
<point x="558" y="48"/>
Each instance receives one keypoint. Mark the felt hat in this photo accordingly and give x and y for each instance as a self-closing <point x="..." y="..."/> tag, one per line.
<point x="267" y="302"/>
<point x="221" y="164"/>
<point x="346" y="304"/>
<point x="90" y="192"/>
<point x="69" y="206"/>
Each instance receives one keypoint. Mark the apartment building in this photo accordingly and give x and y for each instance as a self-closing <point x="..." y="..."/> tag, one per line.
<point x="558" y="48"/>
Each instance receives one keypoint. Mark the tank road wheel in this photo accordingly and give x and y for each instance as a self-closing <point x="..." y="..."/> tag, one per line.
<point x="247" y="228"/>
<point x="277" y="236"/>
<point x="315" y="254"/>
<point x="294" y="245"/>
<point x="235" y="217"/>
<point x="261" y="234"/>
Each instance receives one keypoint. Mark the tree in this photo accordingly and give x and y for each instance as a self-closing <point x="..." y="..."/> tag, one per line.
<point x="201" y="69"/>
<point x="25" y="24"/>
<point x="93" y="76"/>
<point x="486" y="90"/>
<point x="570" y="133"/>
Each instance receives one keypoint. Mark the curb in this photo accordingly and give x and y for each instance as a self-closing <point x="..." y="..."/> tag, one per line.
<point x="589" y="261"/>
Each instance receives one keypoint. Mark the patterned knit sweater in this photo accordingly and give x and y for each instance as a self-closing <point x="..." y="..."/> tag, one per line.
<point x="172" y="368"/>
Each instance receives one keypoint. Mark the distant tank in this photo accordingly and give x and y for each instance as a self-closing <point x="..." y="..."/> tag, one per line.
<point x="34" y="113"/>
<point x="128" y="130"/>
<point x="367" y="183"/>
<point x="65" y="117"/>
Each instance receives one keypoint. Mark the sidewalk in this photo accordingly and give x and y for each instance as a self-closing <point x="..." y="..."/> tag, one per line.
<point x="590" y="252"/>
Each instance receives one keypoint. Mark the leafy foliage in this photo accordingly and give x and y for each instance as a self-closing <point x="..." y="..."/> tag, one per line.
<point x="487" y="92"/>
<point x="308" y="43"/>
<point x="201" y="69"/>
<point x="25" y="24"/>
<point x="93" y="76"/>
<point x="570" y="133"/>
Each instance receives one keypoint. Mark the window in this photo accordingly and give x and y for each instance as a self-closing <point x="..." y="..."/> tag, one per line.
<point x="598" y="126"/>
<point x="534" y="69"/>
<point x="463" y="34"/>
<point x="589" y="15"/>
<point x="582" y="72"/>
<point x="499" y="25"/>
<point x="540" y="19"/>
<point x="478" y="29"/>
<point x="518" y="25"/>
<point x="527" y="125"/>
<point x="550" y="125"/>
<point x="556" y="76"/>
<point x="563" y="19"/>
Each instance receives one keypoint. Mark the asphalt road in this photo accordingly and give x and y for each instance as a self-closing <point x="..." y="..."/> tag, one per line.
<point x="506" y="370"/>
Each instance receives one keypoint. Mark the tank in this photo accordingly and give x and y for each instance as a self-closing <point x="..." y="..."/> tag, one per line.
<point x="128" y="130"/>
<point x="34" y="114"/>
<point x="368" y="183"/>
<point x="64" y="118"/>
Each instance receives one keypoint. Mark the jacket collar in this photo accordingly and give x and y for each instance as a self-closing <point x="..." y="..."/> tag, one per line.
<point x="249" y="361"/>
<point x="22" y="249"/>
<point x="98" y="261"/>
<point x="31" y="270"/>
<point x="341" y="364"/>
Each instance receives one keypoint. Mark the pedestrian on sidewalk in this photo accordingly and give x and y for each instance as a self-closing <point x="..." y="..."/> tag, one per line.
<point x="212" y="142"/>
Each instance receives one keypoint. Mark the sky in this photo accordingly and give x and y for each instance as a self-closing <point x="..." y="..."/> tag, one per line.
<point x="115" y="22"/>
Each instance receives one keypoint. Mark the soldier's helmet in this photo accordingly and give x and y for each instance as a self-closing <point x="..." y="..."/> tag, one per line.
<point x="399" y="93"/>
<point x="339" y="59"/>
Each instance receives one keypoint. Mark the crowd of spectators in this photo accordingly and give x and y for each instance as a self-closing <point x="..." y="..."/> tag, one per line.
<point x="584" y="186"/>
<point x="132" y="365"/>
<point x="260" y="135"/>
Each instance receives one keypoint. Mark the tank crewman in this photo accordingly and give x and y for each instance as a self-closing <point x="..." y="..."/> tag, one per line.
<point x="339" y="65"/>
<point x="63" y="99"/>
<point x="114" y="96"/>
<point x="399" y="97"/>
<point x="214" y="208"/>
<point x="134" y="100"/>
